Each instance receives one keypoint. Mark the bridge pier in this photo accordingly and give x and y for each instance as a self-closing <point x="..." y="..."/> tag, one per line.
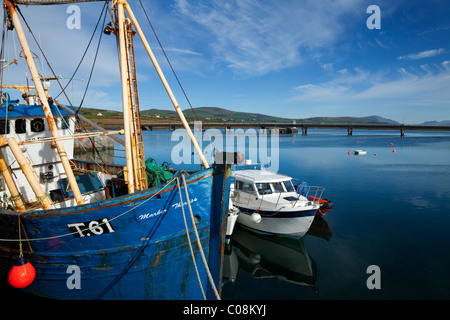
<point x="304" y="131"/>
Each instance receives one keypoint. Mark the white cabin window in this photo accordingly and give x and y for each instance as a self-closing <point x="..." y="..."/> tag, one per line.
<point x="4" y="127"/>
<point x="245" y="187"/>
<point x="263" y="188"/>
<point x="20" y="125"/>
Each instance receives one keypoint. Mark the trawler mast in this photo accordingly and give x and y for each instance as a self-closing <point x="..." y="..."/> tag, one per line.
<point x="44" y="101"/>
<point x="134" y="172"/>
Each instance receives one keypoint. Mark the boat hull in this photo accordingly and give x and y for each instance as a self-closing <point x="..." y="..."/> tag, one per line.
<point x="130" y="247"/>
<point x="290" y="223"/>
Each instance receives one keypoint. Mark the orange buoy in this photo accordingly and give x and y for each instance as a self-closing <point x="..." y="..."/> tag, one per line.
<point x="21" y="274"/>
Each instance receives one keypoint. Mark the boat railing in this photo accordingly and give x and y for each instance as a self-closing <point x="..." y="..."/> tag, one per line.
<point x="311" y="193"/>
<point x="252" y="166"/>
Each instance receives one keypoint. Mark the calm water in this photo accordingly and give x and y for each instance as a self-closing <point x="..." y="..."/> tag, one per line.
<point x="391" y="210"/>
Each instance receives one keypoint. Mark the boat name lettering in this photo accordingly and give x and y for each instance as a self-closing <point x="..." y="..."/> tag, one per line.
<point x="162" y="211"/>
<point x="178" y="204"/>
<point x="90" y="228"/>
<point x="151" y="215"/>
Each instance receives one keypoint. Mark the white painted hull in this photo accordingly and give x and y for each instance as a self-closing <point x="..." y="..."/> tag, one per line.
<point x="295" y="226"/>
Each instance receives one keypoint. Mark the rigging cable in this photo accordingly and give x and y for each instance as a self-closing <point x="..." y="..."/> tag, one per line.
<point x="48" y="63"/>
<point x="45" y="57"/>
<point x="96" y="54"/>
<point x="174" y="73"/>
<point x="84" y="54"/>
<point x="168" y="61"/>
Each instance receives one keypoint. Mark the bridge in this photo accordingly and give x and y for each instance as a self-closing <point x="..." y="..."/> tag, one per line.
<point x="290" y="127"/>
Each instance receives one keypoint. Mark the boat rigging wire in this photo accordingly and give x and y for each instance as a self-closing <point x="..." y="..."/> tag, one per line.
<point x="168" y="61"/>
<point x="92" y="68"/>
<point x="173" y="71"/>
<point x="45" y="57"/>
<point x="43" y="54"/>
<point x="96" y="53"/>
<point x="84" y="54"/>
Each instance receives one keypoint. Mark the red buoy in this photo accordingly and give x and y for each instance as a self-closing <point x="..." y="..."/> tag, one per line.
<point x="22" y="274"/>
<point x="394" y="151"/>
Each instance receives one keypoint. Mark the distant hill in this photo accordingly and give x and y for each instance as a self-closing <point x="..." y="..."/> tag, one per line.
<point x="213" y="114"/>
<point x="436" y="123"/>
<point x="381" y="119"/>
<point x="345" y="120"/>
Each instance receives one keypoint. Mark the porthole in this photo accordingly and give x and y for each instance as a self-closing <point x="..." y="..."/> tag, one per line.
<point x="37" y="125"/>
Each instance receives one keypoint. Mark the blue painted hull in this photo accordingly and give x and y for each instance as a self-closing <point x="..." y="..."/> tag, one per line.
<point x="130" y="247"/>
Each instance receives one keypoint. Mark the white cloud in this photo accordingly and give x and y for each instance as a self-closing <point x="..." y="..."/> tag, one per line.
<point x="426" y="87"/>
<point x="254" y="37"/>
<point x="423" y="54"/>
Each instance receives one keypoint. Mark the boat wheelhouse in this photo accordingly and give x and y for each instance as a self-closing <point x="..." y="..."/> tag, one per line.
<point x="269" y="202"/>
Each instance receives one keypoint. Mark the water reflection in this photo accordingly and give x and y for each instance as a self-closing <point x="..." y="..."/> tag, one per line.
<point x="270" y="256"/>
<point x="97" y="149"/>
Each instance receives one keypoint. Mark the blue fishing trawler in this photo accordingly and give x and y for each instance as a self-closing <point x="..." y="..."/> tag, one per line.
<point x="103" y="231"/>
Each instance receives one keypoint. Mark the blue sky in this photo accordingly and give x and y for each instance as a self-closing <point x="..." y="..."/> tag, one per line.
<point x="288" y="58"/>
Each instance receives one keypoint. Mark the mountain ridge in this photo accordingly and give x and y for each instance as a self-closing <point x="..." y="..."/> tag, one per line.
<point x="216" y="114"/>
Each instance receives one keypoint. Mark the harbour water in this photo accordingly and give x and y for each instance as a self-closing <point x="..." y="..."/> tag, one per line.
<point x="390" y="210"/>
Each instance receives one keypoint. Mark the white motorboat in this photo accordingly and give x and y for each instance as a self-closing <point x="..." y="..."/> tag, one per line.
<point x="270" y="203"/>
<point x="360" y="152"/>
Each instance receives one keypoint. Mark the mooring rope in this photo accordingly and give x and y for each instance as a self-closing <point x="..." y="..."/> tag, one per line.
<point x="198" y="241"/>
<point x="189" y="240"/>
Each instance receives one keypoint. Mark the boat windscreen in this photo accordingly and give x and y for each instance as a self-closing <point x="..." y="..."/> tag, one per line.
<point x="277" y="187"/>
<point x="288" y="185"/>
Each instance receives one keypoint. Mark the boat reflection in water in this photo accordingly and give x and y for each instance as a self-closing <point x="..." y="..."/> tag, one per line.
<point x="271" y="256"/>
